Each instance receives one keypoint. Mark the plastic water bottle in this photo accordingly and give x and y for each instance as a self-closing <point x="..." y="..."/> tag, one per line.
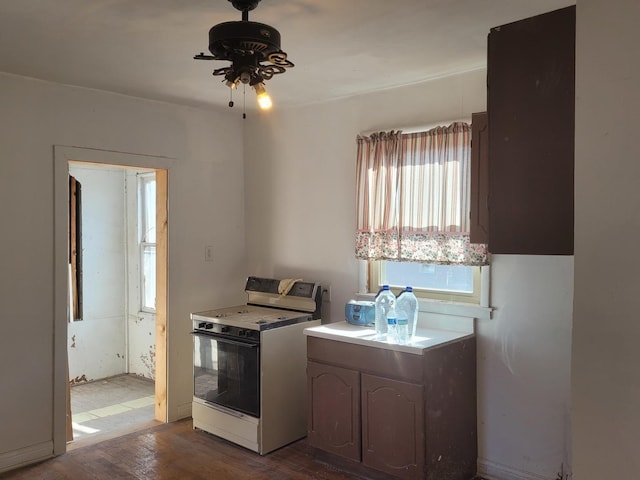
<point x="402" y="327"/>
<point x="392" y="326"/>
<point x="385" y="299"/>
<point x="407" y="303"/>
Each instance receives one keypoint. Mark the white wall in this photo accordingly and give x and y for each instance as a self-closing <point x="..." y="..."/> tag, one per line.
<point x="605" y="359"/>
<point x="113" y="337"/>
<point x="97" y="344"/>
<point x="206" y="207"/>
<point x="300" y="177"/>
<point x="524" y="358"/>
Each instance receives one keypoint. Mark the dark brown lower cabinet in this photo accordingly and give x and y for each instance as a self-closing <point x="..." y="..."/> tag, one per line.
<point x="392" y="426"/>
<point x="334" y="423"/>
<point x="410" y="416"/>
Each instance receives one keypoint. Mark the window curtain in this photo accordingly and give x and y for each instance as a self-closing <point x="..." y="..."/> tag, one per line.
<point x="413" y="197"/>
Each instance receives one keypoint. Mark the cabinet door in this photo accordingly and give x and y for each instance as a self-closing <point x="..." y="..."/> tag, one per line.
<point x="479" y="227"/>
<point x="393" y="426"/>
<point x="530" y="78"/>
<point x="334" y="409"/>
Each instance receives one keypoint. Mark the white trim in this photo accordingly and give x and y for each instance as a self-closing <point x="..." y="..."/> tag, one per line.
<point x="25" y="456"/>
<point x="62" y="155"/>
<point x="485" y="286"/>
<point x="457" y="309"/>
<point x="496" y="471"/>
<point x="363" y="274"/>
<point x="435" y="301"/>
<point x="112" y="157"/>
<point x="60" y="303"/>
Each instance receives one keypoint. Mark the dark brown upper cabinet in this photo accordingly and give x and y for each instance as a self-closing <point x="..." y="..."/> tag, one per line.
<point x="479" y="226"/>
<point x="531" y="111"/>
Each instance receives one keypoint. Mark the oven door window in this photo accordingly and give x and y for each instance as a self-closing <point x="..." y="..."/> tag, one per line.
<point x="227" y="373"/>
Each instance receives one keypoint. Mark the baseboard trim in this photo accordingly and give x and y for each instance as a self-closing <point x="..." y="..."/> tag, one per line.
<point x="25" y="456"/>
<point x="496" y="471"/>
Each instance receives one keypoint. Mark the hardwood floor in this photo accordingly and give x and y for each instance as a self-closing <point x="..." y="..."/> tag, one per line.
<point x="174" y="451"/>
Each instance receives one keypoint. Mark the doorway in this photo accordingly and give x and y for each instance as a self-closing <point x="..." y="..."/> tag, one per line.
<point x="114" y="341"/>
<point x="111" y="329"/>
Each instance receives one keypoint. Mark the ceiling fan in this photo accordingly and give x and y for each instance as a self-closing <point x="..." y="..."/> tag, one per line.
<point x="252" y="48"/>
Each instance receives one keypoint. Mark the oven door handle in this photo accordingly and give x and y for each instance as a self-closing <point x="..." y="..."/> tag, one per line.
<point x="222" y="338"/>
<point x="223" y="409"/>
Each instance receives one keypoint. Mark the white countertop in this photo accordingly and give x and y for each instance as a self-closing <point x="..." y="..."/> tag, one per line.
<point x="423" y="339"/>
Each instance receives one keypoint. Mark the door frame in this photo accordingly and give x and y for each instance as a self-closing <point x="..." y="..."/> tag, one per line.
<point x="162" y="165"/>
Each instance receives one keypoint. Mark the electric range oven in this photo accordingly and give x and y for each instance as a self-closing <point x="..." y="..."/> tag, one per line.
<point x="249" y="371"/>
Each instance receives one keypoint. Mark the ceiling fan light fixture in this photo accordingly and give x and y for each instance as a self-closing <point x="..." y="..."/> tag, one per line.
<point x="264" y="100"/>
<point x="252" y="48"/>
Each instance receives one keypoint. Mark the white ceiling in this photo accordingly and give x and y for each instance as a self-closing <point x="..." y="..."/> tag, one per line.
<point x="341" y="48"/>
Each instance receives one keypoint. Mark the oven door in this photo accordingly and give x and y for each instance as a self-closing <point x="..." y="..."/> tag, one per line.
<point x="226" y="372"/>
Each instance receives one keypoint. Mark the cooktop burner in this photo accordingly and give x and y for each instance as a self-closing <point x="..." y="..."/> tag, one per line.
<point x="228" y="314"/>
<point x="251" y="317"/>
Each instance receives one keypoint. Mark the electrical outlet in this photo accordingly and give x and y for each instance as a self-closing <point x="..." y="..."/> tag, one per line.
<point x="326" y="293"/>
<point x="208" y="253"/>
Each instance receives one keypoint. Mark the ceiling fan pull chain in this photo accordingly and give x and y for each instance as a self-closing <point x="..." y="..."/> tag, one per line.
<point x="244" y="101"/>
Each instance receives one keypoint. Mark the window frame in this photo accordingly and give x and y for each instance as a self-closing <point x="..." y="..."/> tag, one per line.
<point x="143" y="244"/>
<point x="476" y="304"/>
<point x="376" y="278"/>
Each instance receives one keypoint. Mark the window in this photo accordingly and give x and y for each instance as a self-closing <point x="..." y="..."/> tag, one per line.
<point x="147" y="240"/>
<point x="458" y="283"/>
<point x="75" y="249"/>
<point x="413" y="204"/>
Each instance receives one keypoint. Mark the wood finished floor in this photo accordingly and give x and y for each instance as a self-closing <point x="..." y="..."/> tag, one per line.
<point x="175" y="451"/>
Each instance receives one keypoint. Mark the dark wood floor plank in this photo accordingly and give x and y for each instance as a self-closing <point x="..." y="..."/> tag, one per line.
<point x="175" y="451"/>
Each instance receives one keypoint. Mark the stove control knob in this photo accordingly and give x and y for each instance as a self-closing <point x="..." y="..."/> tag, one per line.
<point x="208" y="326"/>
<point x="202" y="325"/>
<point x="242" y="333"/>
<point x="224" y="329"/>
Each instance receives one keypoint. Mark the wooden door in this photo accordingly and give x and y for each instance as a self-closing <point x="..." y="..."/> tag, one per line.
<point x="393" y="438"/>
<point x="479" y="227"/>
<point x="531" y="111"/>
<point x="334" y="409"/>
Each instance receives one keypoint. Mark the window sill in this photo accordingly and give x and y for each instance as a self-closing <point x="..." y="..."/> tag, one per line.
<point x="443" y="307"/>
